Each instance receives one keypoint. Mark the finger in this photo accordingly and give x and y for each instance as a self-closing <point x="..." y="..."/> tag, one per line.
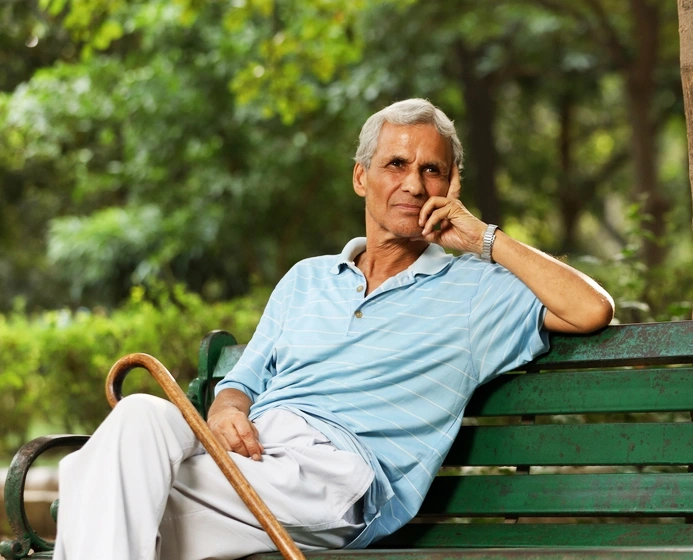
<point x="250" y="442"/>
<point x="235" y="442"/>
<point x="455" y="185"/>
<point x="217" y="432"/>
<point x="429" y="206"/>
<point x="435" y="218"/>
<point x="433" y="237"/>
<point x="221" y="439"/>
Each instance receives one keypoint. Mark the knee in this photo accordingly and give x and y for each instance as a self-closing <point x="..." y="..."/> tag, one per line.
<point x="140" y="402"/>
<point x="140" y="409"/>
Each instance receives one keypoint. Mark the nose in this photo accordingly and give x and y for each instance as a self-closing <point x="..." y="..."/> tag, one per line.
<point x="413" y="184"/>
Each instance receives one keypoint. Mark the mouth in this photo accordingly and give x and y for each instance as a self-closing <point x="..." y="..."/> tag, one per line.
<point x="409" y="208"/>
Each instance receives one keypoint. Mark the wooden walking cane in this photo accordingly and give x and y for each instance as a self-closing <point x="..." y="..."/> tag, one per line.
<point x="114" y="386"/>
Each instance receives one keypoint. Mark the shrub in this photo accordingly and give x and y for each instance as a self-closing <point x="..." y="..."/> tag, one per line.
<point x="53" y="365"/>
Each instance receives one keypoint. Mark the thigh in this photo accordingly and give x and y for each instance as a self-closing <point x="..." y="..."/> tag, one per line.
<point x="310" y="486"/>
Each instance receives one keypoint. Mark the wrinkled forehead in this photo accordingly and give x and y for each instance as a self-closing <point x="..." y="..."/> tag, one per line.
<point x="413" y="142"/>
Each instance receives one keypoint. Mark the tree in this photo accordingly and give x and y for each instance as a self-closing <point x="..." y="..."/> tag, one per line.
<point x="630" y="34"/>
<point x="685" y="12"/>
<point x="209" y="143"/>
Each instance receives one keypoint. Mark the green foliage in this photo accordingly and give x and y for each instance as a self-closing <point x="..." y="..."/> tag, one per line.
<point x="209" y="143"/>
<point x="642" y="294"/>
<point x="53" y="365"/>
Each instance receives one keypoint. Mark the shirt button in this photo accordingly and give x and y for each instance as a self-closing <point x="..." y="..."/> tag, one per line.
<point x="358" y="314"/>
<point x="359" y="289"/>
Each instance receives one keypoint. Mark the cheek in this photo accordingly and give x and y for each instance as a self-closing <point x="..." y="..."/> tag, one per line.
<point x="437" y="188"/>
<point x="382" y="191"/>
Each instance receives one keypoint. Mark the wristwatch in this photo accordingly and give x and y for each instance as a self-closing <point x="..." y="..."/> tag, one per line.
<point x="487" y="247"/>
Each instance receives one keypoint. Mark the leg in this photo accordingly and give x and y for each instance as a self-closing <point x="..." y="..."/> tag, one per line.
<point x="142" y="472"/>
<point x="114" y="490"/>
<point x="312" y="487"/>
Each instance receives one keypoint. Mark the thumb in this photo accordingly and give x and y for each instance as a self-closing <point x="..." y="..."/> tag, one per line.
<point x="455" y="186"/>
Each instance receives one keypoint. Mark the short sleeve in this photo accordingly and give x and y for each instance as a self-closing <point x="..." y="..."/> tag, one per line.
<point x="506" y="320"/>
<point x="257" y="364"/>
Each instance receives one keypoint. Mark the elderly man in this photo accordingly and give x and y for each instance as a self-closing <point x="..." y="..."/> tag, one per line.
<point x="353" y="387"/>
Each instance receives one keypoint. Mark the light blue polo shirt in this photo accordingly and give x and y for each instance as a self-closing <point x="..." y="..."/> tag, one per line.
<point x="388" y="375"/>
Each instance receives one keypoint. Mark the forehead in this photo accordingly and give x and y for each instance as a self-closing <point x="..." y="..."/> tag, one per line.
<point x="420" y="141"/>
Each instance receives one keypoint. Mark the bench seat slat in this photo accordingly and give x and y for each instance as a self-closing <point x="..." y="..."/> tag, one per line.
<point x="535" y="553"/>
<point x="561" y="495"/>
<point x="574" y="444"/>
<point x="621" y="345"/>
<point x="583" y="392"/>
<point x="540" y="534"/>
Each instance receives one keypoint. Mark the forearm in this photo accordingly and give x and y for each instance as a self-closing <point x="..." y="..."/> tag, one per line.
<point x="230" y="399"/>
<point x="228" y="420"/>
<point x="575" y="302"/>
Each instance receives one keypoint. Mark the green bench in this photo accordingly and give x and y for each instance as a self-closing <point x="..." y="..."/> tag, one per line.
<point x="584" y="454"/>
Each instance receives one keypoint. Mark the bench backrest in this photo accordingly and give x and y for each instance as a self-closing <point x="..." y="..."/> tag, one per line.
<point x="596" y="429"/>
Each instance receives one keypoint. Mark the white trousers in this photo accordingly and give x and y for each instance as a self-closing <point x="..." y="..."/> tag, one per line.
<point x="143" y="488"/>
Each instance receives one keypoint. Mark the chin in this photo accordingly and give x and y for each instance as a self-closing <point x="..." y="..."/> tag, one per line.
<point x="408" y="233"/>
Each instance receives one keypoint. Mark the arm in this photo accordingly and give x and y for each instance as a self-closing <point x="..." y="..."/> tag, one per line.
<point x="228" y="415"/>
<point x="574" y="302"/>
<point x="228" y="420"/>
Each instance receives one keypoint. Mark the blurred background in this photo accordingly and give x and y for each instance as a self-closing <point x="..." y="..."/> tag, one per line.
<point x="164" y="162"/>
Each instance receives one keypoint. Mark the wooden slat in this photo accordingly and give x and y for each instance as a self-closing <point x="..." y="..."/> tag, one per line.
<point x="574" y="444"/>
<point x="539" y="534"/>
<point x="647" y="343"/>
<point x="210" y="350"/>
<point x="582" y="392"/>
<point x="536" y="553"/>
<point x="228" y="358"/>
<point x="669" y="494"/>
<point x="619" y="345"/>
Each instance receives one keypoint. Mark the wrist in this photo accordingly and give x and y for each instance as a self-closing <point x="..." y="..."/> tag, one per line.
<point x="230" y="400"/>
<point x="488" y="239"/>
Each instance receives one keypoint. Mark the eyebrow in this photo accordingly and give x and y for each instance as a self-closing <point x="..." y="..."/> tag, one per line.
<point x="442" y="166"/>
<point x="393" y="157"/>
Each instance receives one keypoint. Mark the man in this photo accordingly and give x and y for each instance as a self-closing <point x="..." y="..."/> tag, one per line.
<point x="352" y="389"/>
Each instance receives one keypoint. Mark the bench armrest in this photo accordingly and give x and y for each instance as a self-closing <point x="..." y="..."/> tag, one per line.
<point x="200" y="391"/>
<point x="26" y="538"/>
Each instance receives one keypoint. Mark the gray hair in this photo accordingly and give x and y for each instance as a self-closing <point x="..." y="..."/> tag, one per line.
<point x="407" y="112"/>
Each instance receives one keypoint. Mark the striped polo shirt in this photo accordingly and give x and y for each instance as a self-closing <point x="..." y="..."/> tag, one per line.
<point x="388" y="375"/>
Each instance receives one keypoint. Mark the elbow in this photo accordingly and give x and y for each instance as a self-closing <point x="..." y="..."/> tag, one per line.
<point x="588" y="317"/>
<point x="599" y="314"/>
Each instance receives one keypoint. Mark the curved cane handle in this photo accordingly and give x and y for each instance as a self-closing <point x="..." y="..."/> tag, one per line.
<point x="114" y="385"/>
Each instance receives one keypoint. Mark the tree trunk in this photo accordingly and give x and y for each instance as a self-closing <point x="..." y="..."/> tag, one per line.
<point x="568" y="194"/>
<point x="641" y="88"/>
<point x="480" y="99"/>
<point x="685" y="8"/>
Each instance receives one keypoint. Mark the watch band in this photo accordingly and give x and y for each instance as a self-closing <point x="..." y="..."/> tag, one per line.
<point x="487" y="247"/>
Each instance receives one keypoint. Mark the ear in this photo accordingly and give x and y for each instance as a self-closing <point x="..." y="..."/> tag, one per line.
<point x="359" y="179"/>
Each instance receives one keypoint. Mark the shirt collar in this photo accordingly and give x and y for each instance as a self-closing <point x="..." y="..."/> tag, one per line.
<point x="432" y="260"/>
<point x="351" y="250"/>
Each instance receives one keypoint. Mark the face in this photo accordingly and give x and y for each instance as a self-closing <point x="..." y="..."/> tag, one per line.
<point x="411" y="164"/>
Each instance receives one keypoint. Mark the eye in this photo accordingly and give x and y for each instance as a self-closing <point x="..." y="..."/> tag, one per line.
<point x="431" y="169"/>
<point x="397" y="162"/>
